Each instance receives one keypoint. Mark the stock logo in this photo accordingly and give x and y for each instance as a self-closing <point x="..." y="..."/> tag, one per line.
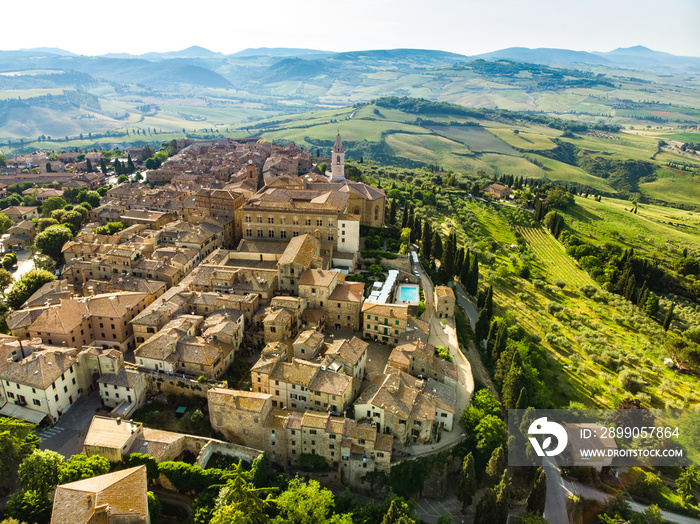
<point x="541" y="427"/>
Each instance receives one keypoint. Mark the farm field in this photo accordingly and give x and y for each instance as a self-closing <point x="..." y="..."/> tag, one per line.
<point x="647" y="231"/>
<point x="476" y="138"/>
<point x="588" y="341"/>
<point x="523" y="139"/>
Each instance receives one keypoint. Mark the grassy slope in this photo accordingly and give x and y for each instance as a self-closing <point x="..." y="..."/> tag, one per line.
<point x="648" y="231"/>
<point x="575" y="338"/>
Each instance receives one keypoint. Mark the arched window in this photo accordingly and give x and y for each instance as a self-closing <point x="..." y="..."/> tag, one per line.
<point x="357" y="211"/>
<point x="376" y="212"/>
<point x="337" y="159"/>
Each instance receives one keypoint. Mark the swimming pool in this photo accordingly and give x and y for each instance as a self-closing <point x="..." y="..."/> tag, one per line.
<point x="407" y="294"/>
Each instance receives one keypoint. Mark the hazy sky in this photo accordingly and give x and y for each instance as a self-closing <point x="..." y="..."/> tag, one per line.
<point x="461" y="26"/>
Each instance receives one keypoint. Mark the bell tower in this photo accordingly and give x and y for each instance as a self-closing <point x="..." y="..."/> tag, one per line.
<point x="338" y="161"/>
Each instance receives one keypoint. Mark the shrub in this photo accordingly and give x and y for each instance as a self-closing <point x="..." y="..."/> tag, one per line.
<point x="631" y="381"/>
<point x="560" y="284"/>
<point x="313" y="462"/>
<point x="554" y="307"/>
<point x="443" y="353"/>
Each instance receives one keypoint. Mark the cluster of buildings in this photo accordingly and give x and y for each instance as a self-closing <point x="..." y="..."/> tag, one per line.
<point x="240" y="245"/>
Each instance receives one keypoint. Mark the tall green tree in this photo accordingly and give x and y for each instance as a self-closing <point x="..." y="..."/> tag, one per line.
<point x="481" y="328"/>
<point x="514" y="382"/>
<point x="489" y="302"/>
<point x="467" y="481"/>
<point x="538" y="495"/>
<point x="473" y="277"/>
<point x="307" y="503"/>
<point x="503" y="490"/>
<point x="392" y="212"/>
<point x="448" y="256"/>
<point x="426" y="241"/>
<point x="52" y="239"/>
<point x="40" y="471"/>
<point x="17" y="442"/>
<point x="486" y="508"/>
<point x="669" y="316"/>
<point x="436" y="250"/>
<point x="651" y="307"/>
<point x="497" y="463"/>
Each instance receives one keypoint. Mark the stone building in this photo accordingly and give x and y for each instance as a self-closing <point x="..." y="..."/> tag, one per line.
<point x="444" y="300"/>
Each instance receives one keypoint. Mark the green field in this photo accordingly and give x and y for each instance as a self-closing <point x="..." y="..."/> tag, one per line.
<point x="648" y="231"/>
<point x="524" y="139"/>
<point x="476" y="137"/>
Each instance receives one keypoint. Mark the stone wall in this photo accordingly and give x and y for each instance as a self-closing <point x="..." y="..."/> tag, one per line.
<point x="402" y="263"/>
<point x="226" y="448"/>
<point x="157" y="383"/>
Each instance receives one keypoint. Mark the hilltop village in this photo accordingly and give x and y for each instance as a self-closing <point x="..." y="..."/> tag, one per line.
<point x="236" y="250"/>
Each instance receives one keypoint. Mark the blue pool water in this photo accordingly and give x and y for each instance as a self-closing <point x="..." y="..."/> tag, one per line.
<point x="408" y="294"/>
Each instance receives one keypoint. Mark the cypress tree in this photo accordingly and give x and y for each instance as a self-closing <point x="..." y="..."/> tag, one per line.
<point x="437" y="246"/>
<point x="538" y="495"/>
<point x="404" y="218"/>
<point x="467" y="481"/>
<point x="130" y="165"/>
<point x="480" y="299"/>
<point x="459" y="261"/>
<point x="496" y="464"/>
<point x="465" y="274"/>
<point x="103" y="166"/>
<point x="481" y="328"/>
<point x="503" y="364"/>
<point x="501" y="342"/>
<point x="489" y="302"/>
<point x="448" y="257"/>
<point x="392" y="212"/>
<point x="630" y="288"/>
<point x="416" y="227"/>
<point x="669" y="317"/>
<point x="491" y="339"/>
<point x="426" y="241"/>
<point x="503" y="498"/>
<point x="651" y="307"/>
<point x="643" y="295"/>
<point x="486" y="509"/>
<point x="473" y="277"/>
<point x="523" y="399"/>
<point x="514" y="382"/>
<point x="88" y="165"/>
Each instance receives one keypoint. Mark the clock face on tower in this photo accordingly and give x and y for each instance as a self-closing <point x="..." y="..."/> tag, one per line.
<point x="250" y="161"/>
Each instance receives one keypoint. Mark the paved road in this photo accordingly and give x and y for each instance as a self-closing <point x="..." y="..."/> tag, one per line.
<point x="559" y="490"/>
<point x="25" y="263"/>
<point x="68" y="435"/>
<point x="445" y="334"/>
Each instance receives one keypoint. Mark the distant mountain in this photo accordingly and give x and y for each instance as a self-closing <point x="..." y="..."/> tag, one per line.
<point x="49" y="51"/>
<point x="415" y="56"/>
<point x="638" y="57"/>
<point x="545" y="55"/>
<point x="191" y="52"/>
<point x="280" y="52"/>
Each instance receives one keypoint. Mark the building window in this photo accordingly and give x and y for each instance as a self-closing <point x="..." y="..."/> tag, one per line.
<point x="249" y="232"/>
<point x="295" y="221"/>
<point x="295" y="233"/>
<point x="247" y="218"/>
<point x="270" y="220"/>
<point x="283" y="234"/>
<point x="260" y="232"/>
<point x="319" y="222"/>
<point x="36" y="402"/>
<point x="259" y="219"/>
<point x="308" y="221"/>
